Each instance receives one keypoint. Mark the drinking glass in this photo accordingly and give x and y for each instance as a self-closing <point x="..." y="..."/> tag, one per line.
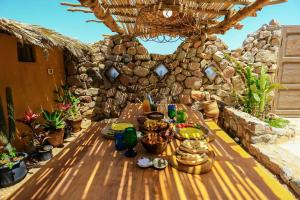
<point x="130" y="139"/>
<point x="172" y="111"/>
<point x="181" y="116"/>
<point x="119" y="141"/>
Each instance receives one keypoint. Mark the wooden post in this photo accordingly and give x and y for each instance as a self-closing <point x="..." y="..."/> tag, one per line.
<point x="102" y="14"/>
<point x="231" y="21"/>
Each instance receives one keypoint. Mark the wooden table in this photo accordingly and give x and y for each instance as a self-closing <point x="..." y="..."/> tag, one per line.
<point x="91" y="169"/>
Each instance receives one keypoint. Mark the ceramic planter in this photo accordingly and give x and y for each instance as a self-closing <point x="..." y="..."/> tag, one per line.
<point x="12" y="176"/>
<point x="44" y="153"/>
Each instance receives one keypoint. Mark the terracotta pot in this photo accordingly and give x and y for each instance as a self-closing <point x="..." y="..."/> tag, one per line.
<point x="56" y="138"/>
<point x="75" y="124"/>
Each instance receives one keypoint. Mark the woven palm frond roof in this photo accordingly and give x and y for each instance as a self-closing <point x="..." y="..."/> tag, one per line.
<point x="151" y="18"/>
<point x="42" y="37"/>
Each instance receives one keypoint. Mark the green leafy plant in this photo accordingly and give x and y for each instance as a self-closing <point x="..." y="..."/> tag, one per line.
<point x="251" y="99"/>
<point x="6" y="158"/>
<point x="258" y="92"/>
<point x="257" y="96"/>
<point x="10" y="165"/>
<point x="68" y="102"/>
<point x="37" y="136"/>
<point x="54" y="120"/>
<point x="7" y="130"/>
<point x="277" y="122"/>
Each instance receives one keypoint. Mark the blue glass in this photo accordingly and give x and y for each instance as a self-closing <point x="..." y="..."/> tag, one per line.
<point x="119" y="141"/>
<point x="172" y="111"/>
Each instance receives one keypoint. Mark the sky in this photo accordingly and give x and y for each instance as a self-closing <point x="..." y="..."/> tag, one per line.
<point x="50" y="14"/>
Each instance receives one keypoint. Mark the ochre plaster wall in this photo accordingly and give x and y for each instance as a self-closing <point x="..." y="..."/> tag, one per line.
<point x="32" y="85"/>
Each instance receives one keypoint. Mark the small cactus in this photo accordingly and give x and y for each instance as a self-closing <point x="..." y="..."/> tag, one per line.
<point x="3" y="126"/>
<point x="7" y="132"/>
<point x="11" y="114"/>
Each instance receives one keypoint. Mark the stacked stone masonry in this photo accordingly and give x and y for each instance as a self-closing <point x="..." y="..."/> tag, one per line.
<point x="261" y="140"/>
<point x="261" y="47"/>
<point x="250" y="130"/>
<point x="186" y="81"/>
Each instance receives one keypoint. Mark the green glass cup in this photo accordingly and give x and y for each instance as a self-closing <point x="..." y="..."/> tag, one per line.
<point x="181" y="116"/>
<point x="130" y="139"/>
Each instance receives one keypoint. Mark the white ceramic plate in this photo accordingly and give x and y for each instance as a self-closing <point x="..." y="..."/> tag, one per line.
<point x="144" y="162"/>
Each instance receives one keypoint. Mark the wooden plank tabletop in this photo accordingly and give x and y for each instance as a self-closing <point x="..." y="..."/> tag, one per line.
<point x="90" y="168"/>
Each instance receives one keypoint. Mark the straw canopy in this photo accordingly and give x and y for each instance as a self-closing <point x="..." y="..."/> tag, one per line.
<point x="184" y="18"/>
<point x="42" y="37"/>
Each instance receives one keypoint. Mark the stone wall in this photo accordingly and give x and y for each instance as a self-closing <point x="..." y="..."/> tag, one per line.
<point x="261" y="47"/>
<point x="250" y="130"/>
<point x="185" y="83"/>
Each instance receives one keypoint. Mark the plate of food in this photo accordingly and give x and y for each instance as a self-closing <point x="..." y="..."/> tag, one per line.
<point x="110" y="130"/>
<point x="190" y="159"/>
<point x="191" y="131"/>
<point x="160" y="163"/>
<point x="107" y="133"/>
<point x="194" y="146"/>
<point x="120" y="126"/>
<point x="154" y="125"/>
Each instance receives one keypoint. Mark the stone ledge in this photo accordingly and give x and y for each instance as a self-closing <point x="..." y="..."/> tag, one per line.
<point x="251" y="130"/>
<point x="260" y="140"/>
<point x="276" y="160"/>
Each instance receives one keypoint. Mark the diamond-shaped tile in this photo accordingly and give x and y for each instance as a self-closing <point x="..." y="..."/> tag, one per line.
<point x="161" y="70"/>
<point x="112" y="74"/>
<point x="210" y="73"/>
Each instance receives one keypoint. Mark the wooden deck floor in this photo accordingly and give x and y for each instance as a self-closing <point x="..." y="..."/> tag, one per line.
<point x="90" y="168"/>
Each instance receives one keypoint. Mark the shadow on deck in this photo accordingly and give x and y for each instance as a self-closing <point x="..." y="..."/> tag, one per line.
<point x="90" y="168"/>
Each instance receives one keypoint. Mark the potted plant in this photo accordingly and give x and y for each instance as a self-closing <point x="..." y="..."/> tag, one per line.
<point x="12" y="164"/>
<point x="54" y="127"/>
<point x="68" y="128"/>
<point x="41" y="151"/>
<point x="74" y="118"/>
<point x="69" y="104"/>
